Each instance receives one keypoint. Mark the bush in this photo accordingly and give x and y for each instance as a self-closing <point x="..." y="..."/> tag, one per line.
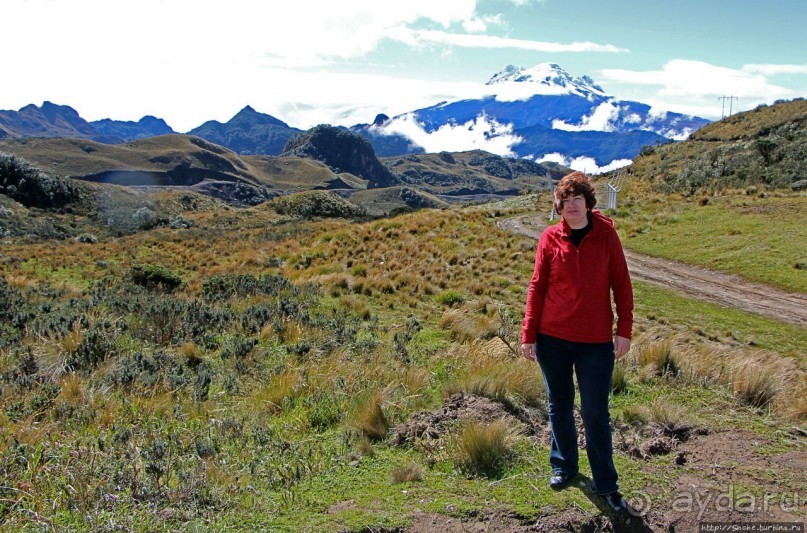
<point x="225" y="286"/>
<point x="154" y="276"/>
<point x="450" y="297"/>
<point x="32" y="188"/>
<point x="313" y="204"/>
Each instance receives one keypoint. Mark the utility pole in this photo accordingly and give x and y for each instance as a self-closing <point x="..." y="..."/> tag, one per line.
<point x="731" y="102"/>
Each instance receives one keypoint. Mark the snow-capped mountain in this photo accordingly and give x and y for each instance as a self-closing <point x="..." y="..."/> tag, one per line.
<point x="545" y="79"/>
<point x="538" y="112"/>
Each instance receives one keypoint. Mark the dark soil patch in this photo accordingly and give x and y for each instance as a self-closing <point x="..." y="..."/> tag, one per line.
<point x="727" y="480"/>
<point x="655" y="439"/>
<point x="497" y="522"/>
<point x="434" y="425"/>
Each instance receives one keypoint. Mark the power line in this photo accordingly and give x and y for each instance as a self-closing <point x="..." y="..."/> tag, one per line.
<point x="731" y="102"/>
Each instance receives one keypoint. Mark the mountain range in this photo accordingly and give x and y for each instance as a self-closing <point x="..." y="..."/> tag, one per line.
<point x="537" y="112"/>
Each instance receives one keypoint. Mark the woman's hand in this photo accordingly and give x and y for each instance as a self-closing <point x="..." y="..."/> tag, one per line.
<point x="621" y="347"/>
<point x="528" y="351"/>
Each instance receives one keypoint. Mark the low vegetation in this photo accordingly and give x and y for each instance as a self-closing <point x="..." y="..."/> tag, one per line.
<point x="268" y="370"/>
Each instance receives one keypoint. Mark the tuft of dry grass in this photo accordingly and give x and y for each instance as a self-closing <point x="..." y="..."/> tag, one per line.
<point x="72" y="390"/>
<point x="368" y="417"/>
<point x="483" y="449"/>
<point x="365" y="447"/>
<point x="468" y="323"/>
<point x="274" y="397"/>
<point x="408" y="472"/>
<point x="657" y="358"/>
<point x="756" y="385"/>
<point x="634" y="414"/>
<point x="499" y="378"/>
<point x="619" y="379"/>
<point x="667" y="414"/>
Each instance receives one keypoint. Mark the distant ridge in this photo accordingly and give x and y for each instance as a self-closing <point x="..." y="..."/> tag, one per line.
<point x="52" y="120"/>
<point x="147" y="126"/>
<point x="248" y="132"/>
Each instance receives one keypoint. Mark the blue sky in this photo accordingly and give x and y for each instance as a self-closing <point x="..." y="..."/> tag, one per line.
<point x="342" y="62"/>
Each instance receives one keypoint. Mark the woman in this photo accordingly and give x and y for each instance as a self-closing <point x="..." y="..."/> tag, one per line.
<point x="568" y="327"/>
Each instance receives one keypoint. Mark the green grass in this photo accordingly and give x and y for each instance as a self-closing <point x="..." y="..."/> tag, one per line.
<point x="762" y="240"/>
<point x="273" y="440"/>
<point x="703" y="320"/>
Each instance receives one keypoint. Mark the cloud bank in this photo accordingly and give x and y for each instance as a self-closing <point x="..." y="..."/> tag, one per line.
<point x="481" y="133"/>
<point x="583" y="163"/>
<point x="694" y="87"/>
<point x="601" y="119"/>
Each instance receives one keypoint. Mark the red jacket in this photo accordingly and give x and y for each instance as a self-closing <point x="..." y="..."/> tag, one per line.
<point x="569" y="296"/>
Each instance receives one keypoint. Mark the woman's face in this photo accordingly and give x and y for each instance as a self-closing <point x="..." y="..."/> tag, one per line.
<point x="574" y="212"/>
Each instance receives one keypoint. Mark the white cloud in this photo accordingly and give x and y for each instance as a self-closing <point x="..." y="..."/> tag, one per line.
<point x="601" y="119"/>
<point x="554" y="157"/>
<point x="414" y="37"/>
<point x="481" y="133"/>
<point x="773" y="69"/>
<point x="192" y="60"/>
<point x="694" y="87"/>
<point x="481" y="24"/>
<point x="583" y="163"/>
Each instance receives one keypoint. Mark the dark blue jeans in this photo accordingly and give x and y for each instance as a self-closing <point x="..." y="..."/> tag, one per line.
<point x="593" y="363"/>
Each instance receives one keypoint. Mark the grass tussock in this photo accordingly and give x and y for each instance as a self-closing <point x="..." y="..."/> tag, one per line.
<point x="483" y="449"/>
<point x="657" y="358"/>
<point x="755" y="384"/>
<point x="368" y="417"/>
<point x="499" y="378"/>
<point x="619" y="379"/>
<point x="408" y="473"/>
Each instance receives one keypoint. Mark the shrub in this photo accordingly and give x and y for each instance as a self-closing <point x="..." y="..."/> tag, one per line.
<point x="225" y="286"/>
<point x="311" y="204"/>
<point x="154" y="276"/>
<point x="450" y="297"/>
<point x="237" y="347"/>
<point x="87" y="238"/>
<point x="32" y="188"/>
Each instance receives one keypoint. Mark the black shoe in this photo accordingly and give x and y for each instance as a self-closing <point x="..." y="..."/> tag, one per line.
<point x="615" y="502"/>
<point x="560" y="480"/>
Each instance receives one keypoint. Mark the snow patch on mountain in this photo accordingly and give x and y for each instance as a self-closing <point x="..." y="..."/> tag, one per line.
<point x="547" y="79"/>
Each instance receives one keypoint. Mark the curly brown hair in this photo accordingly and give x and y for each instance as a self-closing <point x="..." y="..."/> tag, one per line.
<point x="573" y="184"/>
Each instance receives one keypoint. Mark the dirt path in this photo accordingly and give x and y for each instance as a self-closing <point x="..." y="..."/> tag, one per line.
<point x="724" y="289"/>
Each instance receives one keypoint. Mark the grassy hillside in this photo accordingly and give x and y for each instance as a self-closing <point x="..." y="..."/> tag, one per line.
<point x="258" y="371"/>
<point x="192" y="164"/>
<point x="166" y="154"/>
<point x="765" y="147"/>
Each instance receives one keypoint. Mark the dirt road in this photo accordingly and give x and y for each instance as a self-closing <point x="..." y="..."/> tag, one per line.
<point x="702" y="283"/>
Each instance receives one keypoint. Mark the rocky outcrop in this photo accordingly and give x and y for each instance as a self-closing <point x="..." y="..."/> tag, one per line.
<point x="342" y="151"/>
